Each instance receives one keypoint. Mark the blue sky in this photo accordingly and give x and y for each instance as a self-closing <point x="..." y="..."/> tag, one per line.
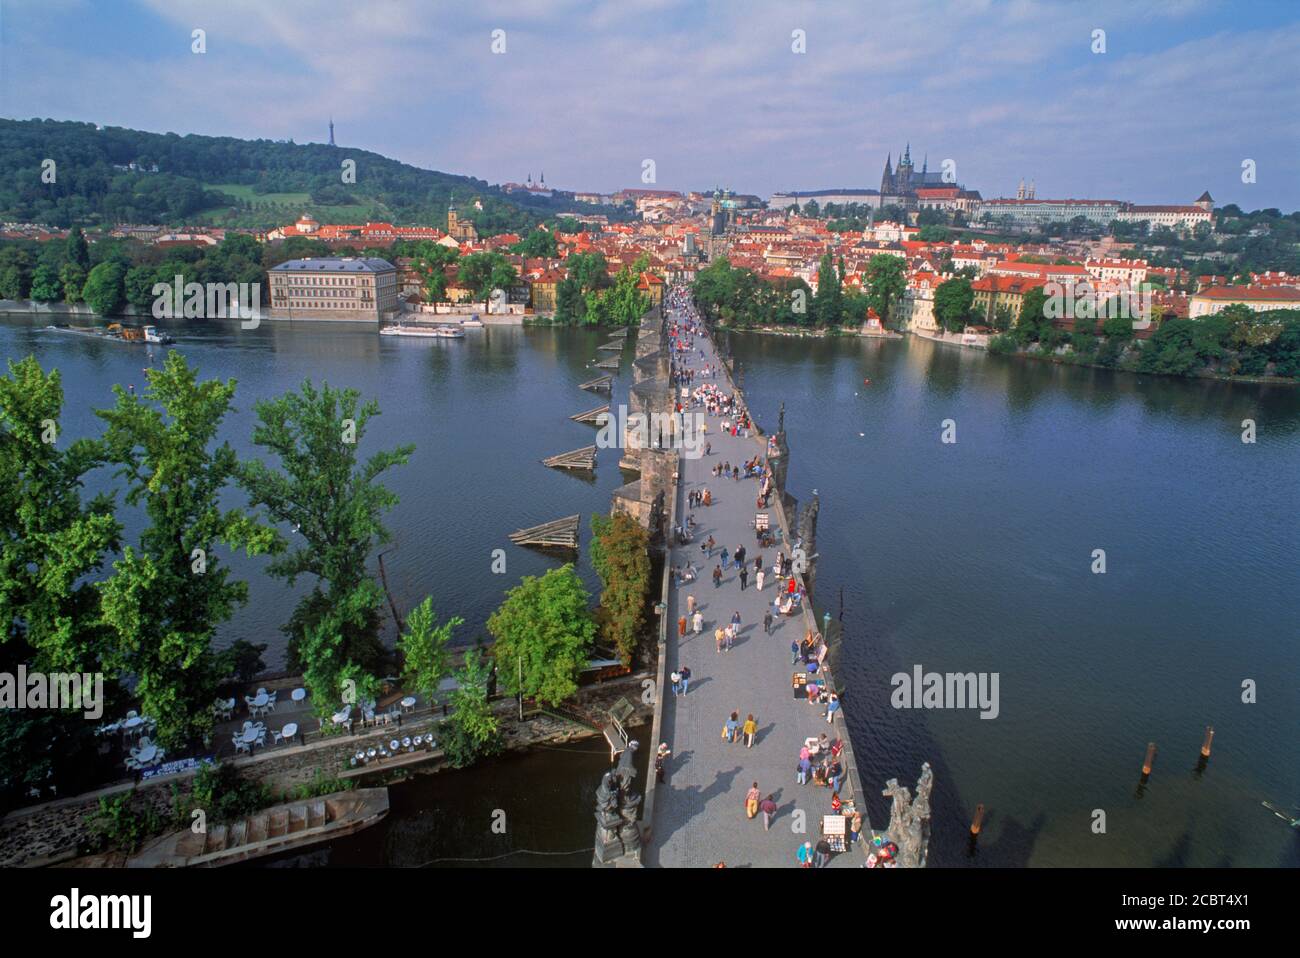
<point x="711" y="91"/>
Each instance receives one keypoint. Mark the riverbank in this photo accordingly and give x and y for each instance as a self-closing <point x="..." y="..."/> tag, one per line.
<point x="59" y="830"/>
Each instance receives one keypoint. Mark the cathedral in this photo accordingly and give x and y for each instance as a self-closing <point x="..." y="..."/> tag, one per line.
<point x="899" y="186"/>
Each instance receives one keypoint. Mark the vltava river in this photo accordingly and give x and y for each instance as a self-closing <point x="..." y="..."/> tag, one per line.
<point x="972" y="556"/>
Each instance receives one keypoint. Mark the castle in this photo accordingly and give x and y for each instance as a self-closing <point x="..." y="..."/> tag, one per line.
<point x="899" y="186"/>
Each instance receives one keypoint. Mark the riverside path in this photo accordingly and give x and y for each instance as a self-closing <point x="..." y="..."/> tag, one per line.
<point x="699" y="814"/>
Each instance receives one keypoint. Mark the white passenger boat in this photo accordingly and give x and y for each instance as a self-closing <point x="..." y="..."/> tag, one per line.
<point x="428" y="332"/>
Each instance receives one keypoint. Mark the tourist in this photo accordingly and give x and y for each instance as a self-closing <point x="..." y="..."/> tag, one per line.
<point x="836" y="804"/>
<point x="733" y="724"/>
<point x="740" y="556"/>
<point x="698" y="622"/>
<point x="832" y="707"/>
<point x="804" y="767"/>
<point x="661" y="757"/>
<point x="717" y="576"/>
<point x="758" y="580"/>
<point x="805" y="855"/>
<point x="681" y="627"/>
<point x="686" y="679"/>
<point x="690" y="604"/>
<point x="794" y="650"/>
<point x="735" y="620"/>
<point x="708" y="547"/>
<point x="676" y="678"/>
<point x="835" y="772"/>
<point x="823" y="853"/>
<point x="744" y="577"/>
<point x="749" y="730"/>
<point x="855" y="828"/>
<point x="767" y="616"/>
<point x="768" y="807"/>
<point x="729" y="635"/>
<point x="725" y="556"/>
<point x="719" y="636"/>
<point x="752" y="798"/>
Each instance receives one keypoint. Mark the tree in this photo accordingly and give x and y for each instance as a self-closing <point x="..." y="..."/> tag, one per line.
<point x="336" y="504"/>
<point x="828" y="302"/>
<point x="46" y="287"/>
<point x="953" y="300"/>
<point x="886" y="281"/>
<point x="624" y="304"/>
<point x="77" y="252"/>
<point x="424" y="648"/>
<point x="138" y="285"/>
<point x="435" y="286"/>
<point x="51" y="542"/>
<point x="472" y="730"/>
<point x="538" y="243"/>
<point x="620" y="555"/>
<point x="103" y="288"/>
<point x="486" y="272"/>
<point x="168" y="593"/>
<point x="544" y="634"/>
<point x="72" y="278"/>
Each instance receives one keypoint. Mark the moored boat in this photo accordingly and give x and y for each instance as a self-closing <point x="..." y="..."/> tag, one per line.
<point x="428" y="332"/>
<point x="268" y="832"/>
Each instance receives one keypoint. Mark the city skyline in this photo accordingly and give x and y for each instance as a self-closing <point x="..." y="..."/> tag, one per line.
<point x="1179" y="99"/>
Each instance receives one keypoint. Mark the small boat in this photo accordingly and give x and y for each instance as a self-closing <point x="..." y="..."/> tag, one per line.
<point x="268" y="832"/>
<point x="151" y="335"/>
<point x="472" y="323"/>
<point x="436" y="332"/>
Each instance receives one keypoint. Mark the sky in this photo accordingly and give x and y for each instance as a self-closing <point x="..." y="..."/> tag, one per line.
<point x="713" y="91"/>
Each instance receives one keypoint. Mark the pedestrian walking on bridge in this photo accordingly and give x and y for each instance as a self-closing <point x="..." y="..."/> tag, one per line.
<point x="750" y="729"/>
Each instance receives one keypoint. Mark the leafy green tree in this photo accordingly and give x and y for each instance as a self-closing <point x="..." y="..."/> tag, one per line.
<point x="78" y="252"/>
<point x="46" y="287"/>
<point x="103" y="290"/>
<point x="168" y="594"/>
<point x="953" y="300"/>
<point x="335" y="503"/>
<point x="72" y="278"/>
<point x="485" y="272"/>
<point x="538" y="243"/>
<point x="886" y="281"/>
<point x="624" y="304"/>
<point x="424" y="648"/>
<point x="828" y="302"/>
<point x="621" y="557"/>
<point x="544" y="632"/>
<point x="11" y="283"/>
<point x="51" y="541"/>
<point x="472" y="731"/>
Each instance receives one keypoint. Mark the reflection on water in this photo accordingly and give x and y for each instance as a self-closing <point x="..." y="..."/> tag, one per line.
<point x="976" y="556"/>
<point x="527" y="810"/>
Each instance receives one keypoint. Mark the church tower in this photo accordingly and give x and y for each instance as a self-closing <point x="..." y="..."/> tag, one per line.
<point x="903" y="176"/>
<point x="331" y="131"/>
<point x="452" y="225"/>
<point x="887" y="180"/>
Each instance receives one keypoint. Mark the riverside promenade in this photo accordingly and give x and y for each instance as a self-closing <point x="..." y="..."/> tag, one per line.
<point x="699" y="813"/>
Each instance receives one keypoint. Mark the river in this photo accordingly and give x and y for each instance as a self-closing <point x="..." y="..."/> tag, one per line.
<point x="970" y="556"/>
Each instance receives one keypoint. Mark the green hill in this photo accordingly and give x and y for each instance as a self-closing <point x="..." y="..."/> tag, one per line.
<point x="221" y="180"/>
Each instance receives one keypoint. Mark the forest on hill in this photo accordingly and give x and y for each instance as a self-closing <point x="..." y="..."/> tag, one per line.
<point x="107" y="175"/>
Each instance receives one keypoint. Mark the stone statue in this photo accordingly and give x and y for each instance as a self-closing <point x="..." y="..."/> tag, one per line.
<point x="909" y="821"/>
<point x="617" y="805"/>
<point x="626" y="770"/>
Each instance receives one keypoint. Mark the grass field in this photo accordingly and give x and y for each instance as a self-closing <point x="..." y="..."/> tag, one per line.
<point x="241" y="191"/>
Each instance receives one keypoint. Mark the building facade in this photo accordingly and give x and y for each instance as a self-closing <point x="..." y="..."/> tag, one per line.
<point x="346" y="289"/>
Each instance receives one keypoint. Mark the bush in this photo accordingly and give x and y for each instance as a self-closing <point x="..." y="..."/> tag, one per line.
<point x="223" y="795"/>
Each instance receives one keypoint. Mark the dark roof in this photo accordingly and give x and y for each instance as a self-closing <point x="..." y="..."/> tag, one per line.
<point x="336" y="264"/>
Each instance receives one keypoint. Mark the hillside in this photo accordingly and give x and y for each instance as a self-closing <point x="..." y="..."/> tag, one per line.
<point x="228" y="181"/>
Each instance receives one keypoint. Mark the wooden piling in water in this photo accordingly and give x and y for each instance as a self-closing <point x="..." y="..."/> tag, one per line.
<point x="978" y="822"/>
<point x="601" y="383"/>
<point x="592" y="415"/>
<point x="584" y="458"/>
<point x="556" y="534"/>
<point x="1149" y="761"/>
<point x="611" y="363"/>
<point x="1209" y="738"/>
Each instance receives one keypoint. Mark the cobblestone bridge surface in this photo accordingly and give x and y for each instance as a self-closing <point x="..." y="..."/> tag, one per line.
<point x="699" y="815"/>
